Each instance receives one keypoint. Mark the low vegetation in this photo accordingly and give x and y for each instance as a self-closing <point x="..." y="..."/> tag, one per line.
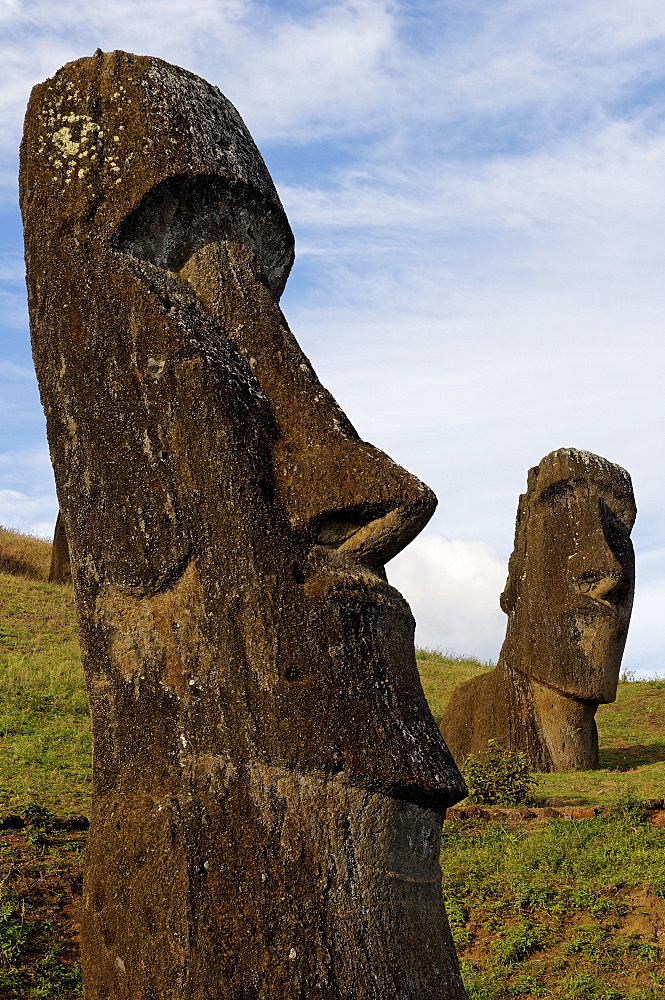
<point x="569" y="910"/>
<point x="44" y="723"/>
<point x="566" y="909"/>
<point x="498" y="777"/>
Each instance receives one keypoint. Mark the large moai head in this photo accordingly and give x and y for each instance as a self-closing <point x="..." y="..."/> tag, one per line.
<point x="267" y="774"/>
<point x="571" y="575"/>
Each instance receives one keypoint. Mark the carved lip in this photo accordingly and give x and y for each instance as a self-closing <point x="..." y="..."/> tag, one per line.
<point x="373" y="543"/>
<point x="604" y="610"/>
<point x="342" y="575"/>
<point x="611" y="608"/>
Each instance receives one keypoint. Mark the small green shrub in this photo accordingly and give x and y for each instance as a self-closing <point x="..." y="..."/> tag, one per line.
<point x="628" y="807"/>
<point x="37" y="815"/>
<point x="628" y="676"/>
<point x="40" y="825"/>
<point x="499" y="777"/>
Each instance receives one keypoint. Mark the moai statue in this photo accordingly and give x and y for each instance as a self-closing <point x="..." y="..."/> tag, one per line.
<point x="568" y="599"/>
<point x="268" y="780"/>
<point x="61" y="570"/>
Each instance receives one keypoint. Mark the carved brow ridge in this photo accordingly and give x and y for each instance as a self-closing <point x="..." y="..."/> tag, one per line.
<point x="183" y="213"/>
<point x="562" y="486"/>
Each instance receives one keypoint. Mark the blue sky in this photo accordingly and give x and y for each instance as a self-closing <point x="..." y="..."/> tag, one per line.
<point x="477" y="191"/>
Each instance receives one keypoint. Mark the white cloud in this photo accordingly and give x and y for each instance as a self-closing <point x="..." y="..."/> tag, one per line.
<point x="453" y="587"/>
<point x="11" y="268"/>
<point x="540" y="55"/>
<point x="335" y="68"/>
<point x="320" y="75"/>
<point x="27" y="492"/>
<point x="31" y="514"/>
<point x="597" y="197"/>
<point x="12" y="372"/>
<point x="20" y="410"/>
<point x="316" y="72"/>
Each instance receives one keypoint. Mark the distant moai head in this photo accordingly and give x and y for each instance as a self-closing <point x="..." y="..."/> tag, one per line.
<point x="259" y="727"/>
<point x="571" y="575"/>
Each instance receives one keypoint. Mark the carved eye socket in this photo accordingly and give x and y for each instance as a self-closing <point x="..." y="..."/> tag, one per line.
<point x="182" y="214"/>
<point x="561" y="492"/>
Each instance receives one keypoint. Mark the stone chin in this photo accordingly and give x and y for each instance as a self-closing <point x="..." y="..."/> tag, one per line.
<point x="585" y="661"/>
<point x="350" y="610"/>
<point x="602" y="637"/>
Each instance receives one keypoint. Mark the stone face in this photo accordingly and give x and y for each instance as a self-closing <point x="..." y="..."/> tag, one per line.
<point x="268" y="780"/>
<point x="61" y="570"/>
<point x="568" y="599"/>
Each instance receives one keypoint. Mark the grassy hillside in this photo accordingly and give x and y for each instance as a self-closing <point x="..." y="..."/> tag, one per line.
<point x="563" y="910"/>
<point x="44" y="723"/>
<point x="567" y="910"/>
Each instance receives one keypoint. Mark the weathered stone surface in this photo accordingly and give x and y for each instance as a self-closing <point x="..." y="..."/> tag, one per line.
<point x="568" y="599"/>
<point x="61" y="570"/>
<point x="268" y="779"/>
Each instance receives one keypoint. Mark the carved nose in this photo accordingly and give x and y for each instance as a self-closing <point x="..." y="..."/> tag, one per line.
<point x="609" y="589"/>
<point x="337" y="490"/>
<point x="375" y="540"/>
<point x="604" y="567"/>
<point x="369" y="515"/>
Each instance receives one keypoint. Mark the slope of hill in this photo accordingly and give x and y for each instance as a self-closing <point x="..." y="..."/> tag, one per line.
<point x="45" y="742"/>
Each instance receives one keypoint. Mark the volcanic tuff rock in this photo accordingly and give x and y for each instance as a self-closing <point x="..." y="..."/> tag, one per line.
<point x="268" y="778"/>
<point x="568" y="599"/>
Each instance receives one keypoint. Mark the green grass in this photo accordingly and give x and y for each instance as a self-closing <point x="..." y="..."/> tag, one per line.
<point x="24" y="555"/>
<point x="441" y="674"/>
<point x="556" y="908"/>
<point x="45" y="747"/>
